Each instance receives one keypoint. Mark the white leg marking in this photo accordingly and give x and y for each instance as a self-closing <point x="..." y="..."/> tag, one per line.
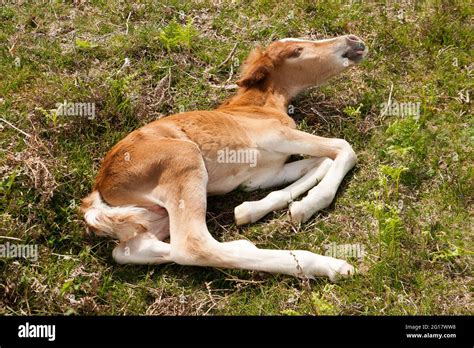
<point x="248" y="212"/>
<point x="299" y="263"/>
<point x="323" y="194"/>
<point x="241" y="243"/>
<point x="289" y="173"/>
<point x="294" y="141"/>
<point x="145" y="248"/>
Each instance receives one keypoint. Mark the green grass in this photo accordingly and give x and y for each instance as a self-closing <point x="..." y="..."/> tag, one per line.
<point x="408" y="202"/>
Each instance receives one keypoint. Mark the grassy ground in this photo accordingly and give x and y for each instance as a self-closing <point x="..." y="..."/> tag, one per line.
<point x="408" y="202"/>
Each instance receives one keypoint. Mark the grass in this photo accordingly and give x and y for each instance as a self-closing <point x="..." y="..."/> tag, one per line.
<point x="408" y="202"/>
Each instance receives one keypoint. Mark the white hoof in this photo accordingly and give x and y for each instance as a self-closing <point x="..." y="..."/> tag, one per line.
<point x="340" y="269"/>
<point x="297" y="213"/>
<point x="243" y="214"/>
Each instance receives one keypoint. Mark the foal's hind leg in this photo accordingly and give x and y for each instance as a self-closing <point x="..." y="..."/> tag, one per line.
<point x="160" y="227"/>
<point x="183" y="191"/>
<point x="144" y="248"/>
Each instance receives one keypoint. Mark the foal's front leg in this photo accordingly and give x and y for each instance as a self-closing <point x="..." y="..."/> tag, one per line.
<point x="315" y="168"/>
<point x="321" y="196"/>
<point x="326" y="178"/>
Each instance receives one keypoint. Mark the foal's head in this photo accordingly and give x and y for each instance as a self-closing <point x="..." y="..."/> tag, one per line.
<point x="295" y="64"/>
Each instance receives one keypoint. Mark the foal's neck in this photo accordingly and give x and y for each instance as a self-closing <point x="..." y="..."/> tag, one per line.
<point x="268" y="97"/>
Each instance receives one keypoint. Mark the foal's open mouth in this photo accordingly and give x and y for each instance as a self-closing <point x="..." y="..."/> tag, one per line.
<point x="355" y="54"/>
<point x="357" y="49"/>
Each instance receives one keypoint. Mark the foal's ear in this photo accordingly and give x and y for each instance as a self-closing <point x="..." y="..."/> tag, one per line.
<point x="255" y="69"/>
<point x="260" y="63"/>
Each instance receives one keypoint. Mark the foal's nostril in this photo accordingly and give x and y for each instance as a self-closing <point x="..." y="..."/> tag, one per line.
<point x="355" y="43"/>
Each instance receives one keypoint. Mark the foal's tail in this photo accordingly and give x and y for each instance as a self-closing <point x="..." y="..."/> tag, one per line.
<point x="117" y="222"/>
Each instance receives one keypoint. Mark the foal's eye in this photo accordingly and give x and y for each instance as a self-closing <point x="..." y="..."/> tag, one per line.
<point x="296" y="52"/>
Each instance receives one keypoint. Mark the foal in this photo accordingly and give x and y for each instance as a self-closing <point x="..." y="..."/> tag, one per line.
<point x="154" y="183"/>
